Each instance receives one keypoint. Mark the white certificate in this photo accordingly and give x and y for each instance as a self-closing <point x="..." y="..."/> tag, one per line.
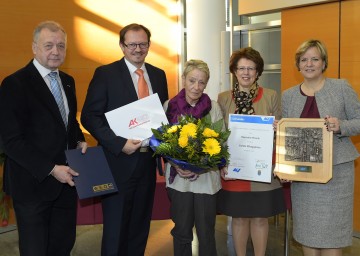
<point x="251" y="147"/>
<point x="135" y="120"/>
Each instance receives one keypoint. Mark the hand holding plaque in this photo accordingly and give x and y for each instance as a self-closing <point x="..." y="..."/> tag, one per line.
<point x="303" y="150"/>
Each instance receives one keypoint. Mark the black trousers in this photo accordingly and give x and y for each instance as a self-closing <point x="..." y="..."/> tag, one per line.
<point x="47" y="228"/>
<point x="189" y="209"/>
<point x="127" y="214"/>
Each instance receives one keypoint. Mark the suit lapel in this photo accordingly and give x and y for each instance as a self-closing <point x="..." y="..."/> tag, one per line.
<point x="153" y="79"/>
<point x="126" y="80"/>
<point x="70" y="96"/>
<point x="232" y="105"/>
<point x="42" y="91"/>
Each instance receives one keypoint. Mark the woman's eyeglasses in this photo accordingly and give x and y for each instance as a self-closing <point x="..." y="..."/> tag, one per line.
<point x="249" y="69"/>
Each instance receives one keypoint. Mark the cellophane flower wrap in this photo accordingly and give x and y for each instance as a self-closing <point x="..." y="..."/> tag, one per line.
<point x="192" y="144"/>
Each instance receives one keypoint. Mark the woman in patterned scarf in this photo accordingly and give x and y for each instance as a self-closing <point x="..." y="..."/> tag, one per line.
<point x="249" y="203"/>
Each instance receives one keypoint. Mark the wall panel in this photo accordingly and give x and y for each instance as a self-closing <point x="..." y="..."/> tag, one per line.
<point x="93" y="36"/>
<point x="300" y="24"/>
<point x="262" y="6"/>
<point x="93" y="28"/>
<point x="350" y="69"/>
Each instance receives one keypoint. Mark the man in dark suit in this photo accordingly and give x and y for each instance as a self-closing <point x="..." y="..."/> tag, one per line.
<point x="35" y="134"/>
<point x="127" y="214"/>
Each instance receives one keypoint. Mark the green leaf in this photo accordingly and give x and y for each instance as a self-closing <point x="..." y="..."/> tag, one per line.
<point x="157" y="134"/>
<point x="218" y="125"/>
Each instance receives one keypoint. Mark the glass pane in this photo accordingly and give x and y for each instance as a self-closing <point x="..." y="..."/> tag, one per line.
<point x="268" y="43"/>
<point x="271" y="80"/>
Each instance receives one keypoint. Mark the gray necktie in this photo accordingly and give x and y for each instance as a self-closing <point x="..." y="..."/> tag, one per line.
<point x="56" y="91"/>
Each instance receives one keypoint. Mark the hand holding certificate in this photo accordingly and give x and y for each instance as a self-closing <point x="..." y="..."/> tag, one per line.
<point x="251" y="147"/>
<point x="135" y="120"/>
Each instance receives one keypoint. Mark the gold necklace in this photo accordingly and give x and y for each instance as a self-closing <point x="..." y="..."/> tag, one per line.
<point x="311" y="90"/>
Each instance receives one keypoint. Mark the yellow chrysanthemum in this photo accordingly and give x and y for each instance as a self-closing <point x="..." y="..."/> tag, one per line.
<point x="210" y="133"/>
<point x="183" y="141"/>
<point x="211" y="146"/>
<point x="188" y="130"/>
<point x="173" y="129"/>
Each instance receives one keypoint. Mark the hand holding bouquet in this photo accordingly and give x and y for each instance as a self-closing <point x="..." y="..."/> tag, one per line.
<point x="192" y="144"/>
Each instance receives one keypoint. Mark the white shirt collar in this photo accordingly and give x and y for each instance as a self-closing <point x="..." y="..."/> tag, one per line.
<point x="133" y="68"/>
<point x="42" y="70"/>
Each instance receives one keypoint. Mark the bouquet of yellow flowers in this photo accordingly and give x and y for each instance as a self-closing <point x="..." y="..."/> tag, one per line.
<point x="192" y="144"/>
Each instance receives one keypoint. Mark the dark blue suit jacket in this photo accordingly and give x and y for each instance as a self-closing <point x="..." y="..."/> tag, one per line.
<point x="112" y="87"/>
<point x="33" y="133"/>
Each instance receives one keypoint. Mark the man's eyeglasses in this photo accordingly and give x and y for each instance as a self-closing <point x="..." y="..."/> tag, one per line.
<point x="133" y="46"/>
<point x="249" y="69"/>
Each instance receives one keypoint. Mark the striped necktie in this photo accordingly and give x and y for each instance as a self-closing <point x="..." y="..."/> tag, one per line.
<point x="56" y="91"/>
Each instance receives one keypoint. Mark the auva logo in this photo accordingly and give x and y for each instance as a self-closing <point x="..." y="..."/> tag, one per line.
<point x="236" y="169"/>
<point x="133" y="122"/>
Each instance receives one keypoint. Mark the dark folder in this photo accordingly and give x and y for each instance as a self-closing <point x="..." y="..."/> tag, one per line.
<point x="95" y="177"/>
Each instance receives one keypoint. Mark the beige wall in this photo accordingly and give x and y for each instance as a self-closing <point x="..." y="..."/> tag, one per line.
<point x="247" y="7"/>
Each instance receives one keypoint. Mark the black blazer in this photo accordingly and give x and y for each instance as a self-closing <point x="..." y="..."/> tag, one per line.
<point x="112" y="87"/>
<point x="33" y="133"/>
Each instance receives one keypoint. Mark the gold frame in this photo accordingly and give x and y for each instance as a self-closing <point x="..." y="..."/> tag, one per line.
<point x="318" y="151"/>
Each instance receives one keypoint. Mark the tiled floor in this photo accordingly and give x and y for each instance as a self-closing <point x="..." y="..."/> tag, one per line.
<point x="160" y="241"/>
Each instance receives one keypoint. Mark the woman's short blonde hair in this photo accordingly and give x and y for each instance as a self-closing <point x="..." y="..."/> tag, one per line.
<point x="190" y="65"/>
<point x="307" y="45"/>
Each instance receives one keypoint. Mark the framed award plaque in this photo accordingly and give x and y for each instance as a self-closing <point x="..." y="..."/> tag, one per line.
<point x="303" y="150"/>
